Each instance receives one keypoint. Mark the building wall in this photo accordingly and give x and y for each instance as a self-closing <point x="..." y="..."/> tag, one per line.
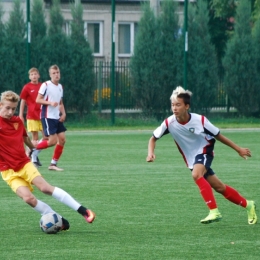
<point x="100" y="12"/>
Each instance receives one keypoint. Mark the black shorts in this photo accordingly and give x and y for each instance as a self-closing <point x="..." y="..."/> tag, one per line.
<point x="52" y="126"/>
<point x="205" y="159"/>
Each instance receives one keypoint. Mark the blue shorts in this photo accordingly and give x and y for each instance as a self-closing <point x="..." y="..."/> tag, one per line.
<point x="52" y="126"/>
<point x="205" y="159"/>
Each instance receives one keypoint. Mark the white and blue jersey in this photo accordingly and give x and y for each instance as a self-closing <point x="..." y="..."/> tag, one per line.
<point x="192" y="138"/>
<point x="52" y="93"/>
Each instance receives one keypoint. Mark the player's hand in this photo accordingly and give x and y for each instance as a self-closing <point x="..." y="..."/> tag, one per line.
<point x="150" y="158"/>
<point x="244" y="152"/>
<point x="54" y="104"/>
<point x="62" y="118"/>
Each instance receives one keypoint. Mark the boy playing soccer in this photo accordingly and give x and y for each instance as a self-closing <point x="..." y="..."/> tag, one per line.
<point x="17" y="170"/>
<point x="28" y="98"/>
<point x="195" y="138"/>
<point x="53" y="115"/>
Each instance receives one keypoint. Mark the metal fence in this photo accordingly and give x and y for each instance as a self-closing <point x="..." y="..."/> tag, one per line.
<point x="123" y="98"/>
<point x="122" y="94"/>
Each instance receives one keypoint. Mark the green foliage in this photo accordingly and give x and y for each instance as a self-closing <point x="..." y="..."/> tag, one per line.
<point x="202" y="60"/>
<point x="256" y="11"/>
<point x="169" y="54"/>
<point x="38" y="24"/>
<point x="38" y="35"/>
<point x="3" y="52"/>
<point x="256" y="39"/>
<point x="80" y="97"/>
<point x="57" y="49"/>
<point x="16" y="26"/>
<point x="219" y="28"/>
<point x="223" y="8"/>
<point x="14" y="43"/>
<point x="56" y="19"/>
<point x="240" y="62"/>
<point x="146" y="87"/>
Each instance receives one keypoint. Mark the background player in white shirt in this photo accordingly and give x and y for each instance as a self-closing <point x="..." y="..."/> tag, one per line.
<point x="195" y="137"/>
<point x="52" y="116"/>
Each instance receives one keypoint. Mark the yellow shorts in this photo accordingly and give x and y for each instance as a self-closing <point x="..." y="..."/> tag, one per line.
<point x="34" y="125"/>
<point x="23" y="177"/>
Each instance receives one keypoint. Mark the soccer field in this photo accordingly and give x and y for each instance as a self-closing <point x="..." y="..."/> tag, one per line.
<point x="144" y="210"/>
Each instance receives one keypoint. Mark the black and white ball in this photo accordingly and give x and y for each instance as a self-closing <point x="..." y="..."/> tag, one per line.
<point x="51" y="223"/>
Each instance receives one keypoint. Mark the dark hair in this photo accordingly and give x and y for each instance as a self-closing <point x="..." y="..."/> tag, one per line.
<point x="186" y="98"/>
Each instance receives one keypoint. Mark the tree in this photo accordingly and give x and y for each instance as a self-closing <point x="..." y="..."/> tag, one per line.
<point x="15" y="64"/>
<point x="240" y="63"/>
<point x="202" y="60"/>
<point x="58" y="48"/>
<point x="169" y="54"/>
<point x="145" y="72"/>
<point x="256" y="40"/>
<point x="3" y="52"/>
<point x="80" y="97"/>
<point x="38" y="37"/>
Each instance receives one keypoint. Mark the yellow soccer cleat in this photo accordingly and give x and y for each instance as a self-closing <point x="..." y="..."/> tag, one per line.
<point x="252" y="218"/>
<point x="214" y="216"/>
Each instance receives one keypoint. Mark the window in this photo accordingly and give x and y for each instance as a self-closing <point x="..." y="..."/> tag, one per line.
<point x="67" y="27"/>
<point x="94" y="34"/>
<point x="126" y="37"/>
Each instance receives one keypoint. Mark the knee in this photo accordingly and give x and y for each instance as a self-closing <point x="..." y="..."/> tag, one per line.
<point x="62" y="141"/>
<point x="46" y="190"/>
<point x="30" y="200"/>
<point x="196" y="175"/>
<point x="220" y="189"/>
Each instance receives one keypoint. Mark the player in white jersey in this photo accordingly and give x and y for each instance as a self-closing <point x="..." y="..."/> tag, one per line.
<point x="52" y="116"/>
<point x="195" y="137"/>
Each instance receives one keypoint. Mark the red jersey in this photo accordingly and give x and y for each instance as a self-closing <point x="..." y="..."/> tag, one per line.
<point x="29" y="94"/>
<point x="12" y="153"/>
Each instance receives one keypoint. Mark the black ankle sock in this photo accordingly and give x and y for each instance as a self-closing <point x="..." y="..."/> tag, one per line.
<point x="82" y="210"/>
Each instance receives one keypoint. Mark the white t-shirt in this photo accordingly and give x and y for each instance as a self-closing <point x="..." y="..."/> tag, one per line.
<point x="192" y="138"/>
<point x="53" y="93"/>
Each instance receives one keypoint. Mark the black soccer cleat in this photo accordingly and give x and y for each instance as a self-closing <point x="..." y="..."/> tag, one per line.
<point x="31" y="152"/>
<point x="65" y="224"/>
<point x="38" y="161"/>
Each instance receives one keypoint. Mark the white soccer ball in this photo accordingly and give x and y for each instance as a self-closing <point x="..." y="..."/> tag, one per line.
<point x="51" y="223"/>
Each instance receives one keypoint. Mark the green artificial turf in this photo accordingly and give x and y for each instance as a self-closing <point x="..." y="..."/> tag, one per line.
<point x="143" y="210"/>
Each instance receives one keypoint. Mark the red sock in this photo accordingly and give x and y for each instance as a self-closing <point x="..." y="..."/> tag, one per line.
<point x="206" y="193"/>
<point x="57" y="152"/>
<point x="233" y="196"/>
<point x="42" y="145"/>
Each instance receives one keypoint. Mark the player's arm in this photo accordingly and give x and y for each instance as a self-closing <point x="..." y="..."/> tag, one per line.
<point x="28" y="143"/>
<point x="243" y="152"/>
<point x="151" y="146"/>
<point x="21" y="110"/>
<point x="62" y="111"/>
<point x="40" y="100"/>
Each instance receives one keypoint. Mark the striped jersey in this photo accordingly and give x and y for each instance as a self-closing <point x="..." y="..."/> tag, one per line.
<point x="192" y="138"/>
<point x="53" y="93"/>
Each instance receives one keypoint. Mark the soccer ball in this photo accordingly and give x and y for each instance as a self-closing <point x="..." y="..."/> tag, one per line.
<point x="51" y="223"/>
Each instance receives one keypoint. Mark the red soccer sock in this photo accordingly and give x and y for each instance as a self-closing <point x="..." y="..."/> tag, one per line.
<point x="206" y="193"/>
<point x="57" y="152"/>
<point x="42" y="145"/>
<point x="233" y="196"/>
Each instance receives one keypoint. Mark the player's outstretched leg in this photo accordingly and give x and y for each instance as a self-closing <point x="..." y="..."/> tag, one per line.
<point x="252" y="217"/>
<point x="68" y="200"/>
<point x="214" y="216"/>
